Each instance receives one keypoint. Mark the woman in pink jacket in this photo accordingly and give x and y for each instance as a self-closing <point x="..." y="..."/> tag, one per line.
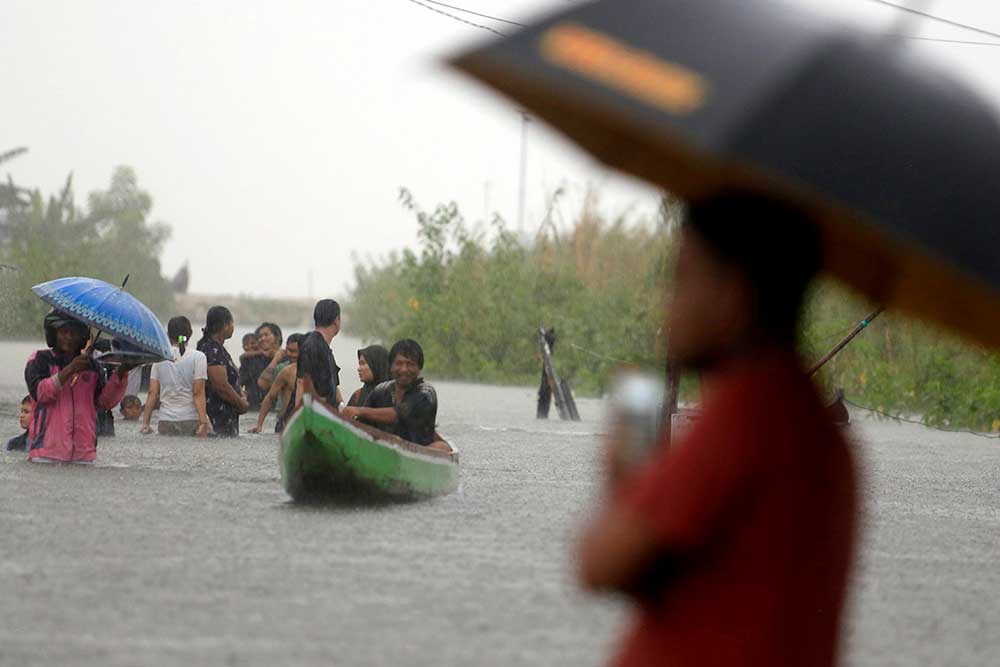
<point x="66" y="390"/>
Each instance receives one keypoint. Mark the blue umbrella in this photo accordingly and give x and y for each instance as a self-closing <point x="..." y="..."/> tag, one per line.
<point x="110" y="309"/>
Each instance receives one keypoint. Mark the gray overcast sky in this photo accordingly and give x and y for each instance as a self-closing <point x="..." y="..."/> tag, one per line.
<point x="274" y="136"/>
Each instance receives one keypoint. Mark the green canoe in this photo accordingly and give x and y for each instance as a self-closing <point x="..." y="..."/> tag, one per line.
<point x="324" y="456"/>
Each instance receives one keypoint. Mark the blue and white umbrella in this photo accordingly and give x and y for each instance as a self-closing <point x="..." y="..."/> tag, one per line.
<point x="110" y="309"/>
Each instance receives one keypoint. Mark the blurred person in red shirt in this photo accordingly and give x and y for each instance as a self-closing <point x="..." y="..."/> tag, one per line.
<point x="736" y="541"/>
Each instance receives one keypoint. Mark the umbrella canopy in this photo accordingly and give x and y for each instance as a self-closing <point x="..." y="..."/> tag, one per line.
<point x="896" y="161"/>
<point x="110" y="309"/>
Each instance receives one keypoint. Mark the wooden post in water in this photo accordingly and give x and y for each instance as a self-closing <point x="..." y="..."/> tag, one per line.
<point x="565" y="404"/>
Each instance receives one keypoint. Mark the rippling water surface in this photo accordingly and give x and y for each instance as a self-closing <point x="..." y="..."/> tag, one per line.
<point x="180" y="551"/>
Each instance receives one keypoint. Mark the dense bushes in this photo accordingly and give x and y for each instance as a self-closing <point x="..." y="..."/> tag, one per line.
<point x="44" y="239"/>
<point x="475" y="300"/>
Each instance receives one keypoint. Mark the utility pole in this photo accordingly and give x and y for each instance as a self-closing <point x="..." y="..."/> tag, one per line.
<point x="525" y="119"/>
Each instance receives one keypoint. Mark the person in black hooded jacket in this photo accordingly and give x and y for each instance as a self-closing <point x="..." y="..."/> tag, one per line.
<point x="373" y="370"/>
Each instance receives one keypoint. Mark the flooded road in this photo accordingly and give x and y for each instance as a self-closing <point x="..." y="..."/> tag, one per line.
<point x="180" y="551"/>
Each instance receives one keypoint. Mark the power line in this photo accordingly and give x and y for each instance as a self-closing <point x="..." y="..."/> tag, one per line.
<point x="898" y="418"/>
<point x="469" y="11"/>
<point x="426" y="5"/>
<point x="946" y="41"/>
<point x="939" y="19"/>
<point x="458" y="18"/>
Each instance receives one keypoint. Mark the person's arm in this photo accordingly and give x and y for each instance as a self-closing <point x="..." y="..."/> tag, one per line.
<point x="42" y="385"/>
<point x="115" y="389"/>
<point x="299" y="388"/>
<point x="220" y="385"/>
<point x="684" y="499"/>
<point x="614" y="550"/>
<point x="373" y="415"/>
<point x="268" y="402"/>
<point x="271" y="372"/>
<point x="198" y="392"/>
<point x="151" y="398"/>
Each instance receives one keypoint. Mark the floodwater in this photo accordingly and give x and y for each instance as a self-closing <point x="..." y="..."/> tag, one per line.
<point x="181" y="551"/>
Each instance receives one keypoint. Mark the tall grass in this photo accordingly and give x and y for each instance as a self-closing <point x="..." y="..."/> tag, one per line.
<point x="475" y="299"/>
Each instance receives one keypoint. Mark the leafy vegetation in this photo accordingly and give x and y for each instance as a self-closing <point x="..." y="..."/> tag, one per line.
<point x="42" y="239"/>
<point x="475" y="300"/>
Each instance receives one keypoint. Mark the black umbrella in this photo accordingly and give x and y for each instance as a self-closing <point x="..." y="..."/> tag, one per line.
<point x="897" y="161"/>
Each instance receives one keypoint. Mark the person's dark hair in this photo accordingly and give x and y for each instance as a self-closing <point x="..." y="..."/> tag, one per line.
<point x="217" y="318"/>
<point x="179" y="329"/>
<point x="131" y="399"/>
<point x="275" y="329"/>
<point x="26" y="399"/>
<point x="408" y="348"/>
<point x="326" y="312"/>
<point x="772" y="242"/>
<point x="295" y="338"/>
<point x="249" y="336"/>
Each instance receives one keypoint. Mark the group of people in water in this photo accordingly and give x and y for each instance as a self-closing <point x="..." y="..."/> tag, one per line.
<point x="202" y="392"/>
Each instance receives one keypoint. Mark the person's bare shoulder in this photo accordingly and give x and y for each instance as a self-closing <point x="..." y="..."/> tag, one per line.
<point x="286" y="376"/>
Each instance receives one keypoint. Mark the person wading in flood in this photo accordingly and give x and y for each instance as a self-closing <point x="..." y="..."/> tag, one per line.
<point x="178" y="385"/>
<point x="67" y="388"/>
<point x="736" y="541"/>
<point x="282" y="391"/>
<point x="317" y="371"/>
<point x="223" y="401"/>
<point x="265" y="358"/>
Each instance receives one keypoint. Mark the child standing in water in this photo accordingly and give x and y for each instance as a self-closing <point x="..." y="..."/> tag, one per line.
<point x="67" y="389"/>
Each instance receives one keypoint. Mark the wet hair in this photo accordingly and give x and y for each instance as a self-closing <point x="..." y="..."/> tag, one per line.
<point x="26" y="399"/>
<point x="179" y="329"/>
<point x="295" y="338"/>
<point x="130" y="400"/>
<point x="408" y="348"/>
<point x="326" y="312"/>
<point x="275" y="329"/>
<point x="774" y="244"/>
<point x="217" y="318"/>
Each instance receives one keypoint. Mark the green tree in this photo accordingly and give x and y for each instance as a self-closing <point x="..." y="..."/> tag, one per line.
<point x="43" y="239"/>
<point x="475" y="302"/>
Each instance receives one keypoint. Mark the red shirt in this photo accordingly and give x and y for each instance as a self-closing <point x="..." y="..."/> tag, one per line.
<point x="754" y="513"/>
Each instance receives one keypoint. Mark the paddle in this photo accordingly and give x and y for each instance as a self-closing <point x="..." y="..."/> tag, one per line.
<point x="862" y="325"/>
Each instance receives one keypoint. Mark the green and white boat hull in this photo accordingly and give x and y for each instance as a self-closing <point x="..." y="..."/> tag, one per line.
<point x="324" y="456"/>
